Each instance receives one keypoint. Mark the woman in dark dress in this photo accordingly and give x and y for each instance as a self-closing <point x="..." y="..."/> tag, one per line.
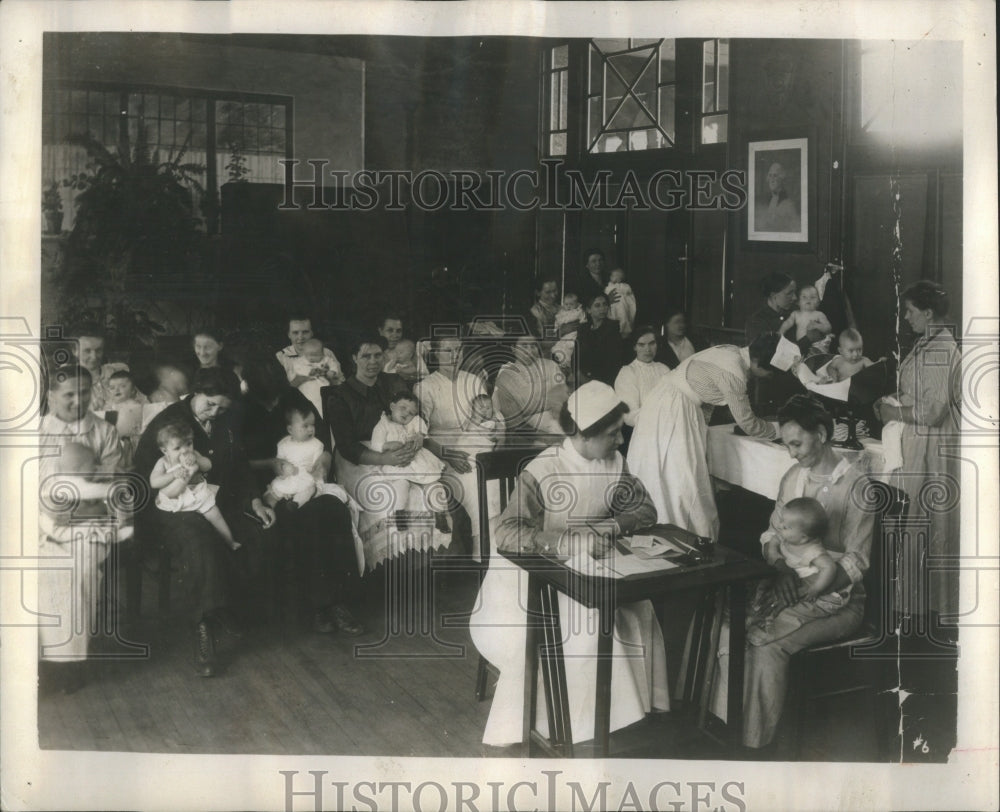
<point x="600" y="351"/>
<point x="318" y="535"/>
<point x="208" y="570"/>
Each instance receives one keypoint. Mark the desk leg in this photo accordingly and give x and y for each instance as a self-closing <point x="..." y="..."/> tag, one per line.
<point x="737" y="658"/>
<point x="531" y="661"/>
<point x="605" y="647"/>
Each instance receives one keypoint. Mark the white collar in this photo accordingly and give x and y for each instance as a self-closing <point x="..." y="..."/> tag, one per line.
<point x="55" y="425"/>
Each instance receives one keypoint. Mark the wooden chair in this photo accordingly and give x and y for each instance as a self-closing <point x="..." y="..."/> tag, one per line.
<point x="859" y="664"/>
<point x="503" y="465"/>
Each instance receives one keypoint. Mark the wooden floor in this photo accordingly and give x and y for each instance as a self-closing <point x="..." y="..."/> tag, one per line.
<point x="282" y="689"/>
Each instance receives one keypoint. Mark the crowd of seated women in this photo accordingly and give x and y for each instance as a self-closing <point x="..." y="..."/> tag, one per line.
<point x="300" y="454"/>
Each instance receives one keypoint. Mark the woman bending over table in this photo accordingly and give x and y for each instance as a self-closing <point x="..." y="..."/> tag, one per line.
<point x="669" y="450"/>
<point x="536" y="520"/>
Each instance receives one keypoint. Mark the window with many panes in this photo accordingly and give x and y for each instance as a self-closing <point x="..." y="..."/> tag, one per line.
<point x="631" y="94"/>
<point x="714" y="91"/>
<point x="555" y="87"/>
<point x="234" y="137"/>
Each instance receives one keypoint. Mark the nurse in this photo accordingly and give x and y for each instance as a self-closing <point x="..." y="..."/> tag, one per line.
<point x="563" y="486"/>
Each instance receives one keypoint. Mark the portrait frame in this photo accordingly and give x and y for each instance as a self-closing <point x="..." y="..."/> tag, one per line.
<point x="779" y="215"/>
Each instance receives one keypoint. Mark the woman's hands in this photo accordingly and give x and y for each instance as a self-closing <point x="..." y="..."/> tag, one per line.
<point x="595" y="538"/>
<point x="784" y="589"/>
<point x="458" y="459"/>
<point x="400" y="456"/>
<point x="263" y="512"/>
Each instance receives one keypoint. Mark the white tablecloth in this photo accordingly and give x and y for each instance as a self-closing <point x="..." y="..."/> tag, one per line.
<point x="758" y="465"/>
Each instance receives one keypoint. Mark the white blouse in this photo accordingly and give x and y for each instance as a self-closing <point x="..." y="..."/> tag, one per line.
<point x="634" y="382"/>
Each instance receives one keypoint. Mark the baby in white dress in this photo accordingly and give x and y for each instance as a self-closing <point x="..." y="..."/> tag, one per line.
<point x="320" y="366"/>
<point x="402" y="426"/>
<point x="622" y="311"/>
<point x="179" y="479"/>
<point x="298" y="480"/>
<point x="568" y="319"/>
<point x="483" y="429"/>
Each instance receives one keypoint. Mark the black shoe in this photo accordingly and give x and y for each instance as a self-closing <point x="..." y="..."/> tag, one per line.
<point x="346" y="622"/>
<point x="322" y="623"/>
<point x="204" y="650"/>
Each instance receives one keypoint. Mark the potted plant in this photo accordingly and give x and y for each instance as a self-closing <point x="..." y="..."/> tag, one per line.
<point x="52" y="208"/>
<point x="135" y="243"/>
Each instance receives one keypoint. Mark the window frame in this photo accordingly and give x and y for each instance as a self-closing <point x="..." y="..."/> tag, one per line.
<point x="701" y="114"/>
<point x="211" y="96"/>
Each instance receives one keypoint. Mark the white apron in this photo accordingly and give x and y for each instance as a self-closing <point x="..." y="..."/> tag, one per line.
<point x="638" y="671"/>
<point x="669" y="454"/>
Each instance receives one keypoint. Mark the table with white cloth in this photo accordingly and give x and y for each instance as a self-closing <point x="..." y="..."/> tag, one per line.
<point x="758" y="465"/>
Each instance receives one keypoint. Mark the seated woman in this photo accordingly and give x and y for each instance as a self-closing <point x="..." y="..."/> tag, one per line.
<point x="536" y="520"/>
<point x="530" y="392"/>
<point x="320" y="534"/>
<point x="669" y="448"/>
<point x="635" y="380"/>
<point x="543" y="312"/>
<point x="82" y="452"/>
<point x="819" y="473"/>
<point x="206" y="564"/>
<point x="353" y="409"/>
<point x="446" y="397"/>
<point x="677" y="345"/>
<point x="600" y="351"/>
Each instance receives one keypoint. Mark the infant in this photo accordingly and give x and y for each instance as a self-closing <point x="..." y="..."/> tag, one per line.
<point x="622" y="311"/>
<point x="91" y="519"/>
<point x="172" y="384"/>
<point x="568" y="319"/>
<point x="850" y="358"/>
<point x="808" y="321"/>
<point x="320" y="366"/>
<point x="482" y="426"/>
<point x="124" y="409"/>
<point x="403" y="360"/>
<point x="801" y="528"/>
<point x="402" y="426"/>
<point x="299" y="451"/>
<point x="179" y="479"/>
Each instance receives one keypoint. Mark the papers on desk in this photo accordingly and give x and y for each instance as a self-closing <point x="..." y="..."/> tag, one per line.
<point x="617" y="564"/>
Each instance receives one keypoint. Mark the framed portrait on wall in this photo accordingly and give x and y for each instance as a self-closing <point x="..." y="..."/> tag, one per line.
<point x="778" y="180"/>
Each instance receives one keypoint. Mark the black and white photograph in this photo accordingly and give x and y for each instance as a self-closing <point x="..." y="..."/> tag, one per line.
<point x="499" y="406"/>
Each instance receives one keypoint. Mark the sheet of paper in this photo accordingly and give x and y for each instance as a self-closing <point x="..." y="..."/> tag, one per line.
<point x="834" y="391"/>
<point x="785" y="354"/>
<point x="624" y="565"/>
<point x="642" y="542"/>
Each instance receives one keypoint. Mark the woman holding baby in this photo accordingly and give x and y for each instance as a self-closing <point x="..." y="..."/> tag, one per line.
<point x="198" y="550"/>
<point x="820" y="474"/>
<point x="317" y="534"/>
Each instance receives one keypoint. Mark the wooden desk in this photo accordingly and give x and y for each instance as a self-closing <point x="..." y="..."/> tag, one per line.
<point x="547" y="576"/>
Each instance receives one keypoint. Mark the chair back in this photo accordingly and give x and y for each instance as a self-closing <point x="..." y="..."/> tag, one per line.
<point x="503" y="465"/>
<point x="890" y="506"/>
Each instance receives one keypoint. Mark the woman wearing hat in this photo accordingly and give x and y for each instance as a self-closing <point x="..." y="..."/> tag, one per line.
<point x="582" y="479"/>
<point x="669" y="448"/>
